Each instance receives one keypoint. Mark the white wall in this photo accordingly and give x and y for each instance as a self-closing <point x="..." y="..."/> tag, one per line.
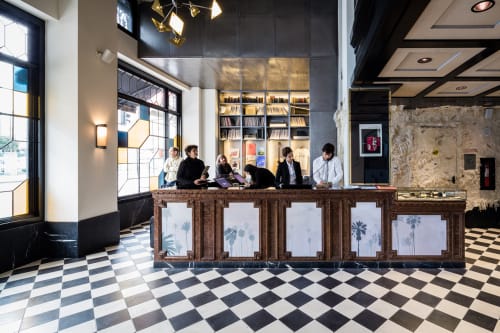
<point x="346" y="68"/>
<point x="199" y="123"/>
<point x="61" y="110"/>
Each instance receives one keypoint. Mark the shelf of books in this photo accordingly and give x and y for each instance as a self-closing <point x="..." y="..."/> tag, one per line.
<point x="255" y="125"/>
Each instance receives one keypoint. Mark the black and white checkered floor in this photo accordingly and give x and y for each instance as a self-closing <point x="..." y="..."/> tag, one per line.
<point x="118" y="290"/>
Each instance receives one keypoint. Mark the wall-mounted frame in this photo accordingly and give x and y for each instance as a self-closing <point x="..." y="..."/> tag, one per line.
<point x="370" y="140"/>
<point x="487" y="174"/>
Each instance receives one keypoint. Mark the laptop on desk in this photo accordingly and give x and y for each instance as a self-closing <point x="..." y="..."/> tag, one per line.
<point x="223" y="182"/>
<point x="239" y="178"/>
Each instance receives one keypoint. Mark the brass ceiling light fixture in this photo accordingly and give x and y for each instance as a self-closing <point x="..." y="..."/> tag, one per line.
<point x="172" y="21"/>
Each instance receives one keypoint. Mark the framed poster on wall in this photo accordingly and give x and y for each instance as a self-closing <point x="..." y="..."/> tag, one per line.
<point x="487" y="174"/>
<point x="370" y="140"/>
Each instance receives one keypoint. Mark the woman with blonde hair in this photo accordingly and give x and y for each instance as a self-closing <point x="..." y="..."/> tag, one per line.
<point x="222" y="168"/>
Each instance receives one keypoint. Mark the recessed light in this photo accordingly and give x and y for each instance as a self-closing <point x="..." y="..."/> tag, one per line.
<point x="482" y="6"/>
<point x="461" y="88"/>
<point x="424" y="60"/>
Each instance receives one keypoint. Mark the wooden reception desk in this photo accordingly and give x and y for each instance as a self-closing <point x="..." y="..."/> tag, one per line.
<point x="306" y="228"/>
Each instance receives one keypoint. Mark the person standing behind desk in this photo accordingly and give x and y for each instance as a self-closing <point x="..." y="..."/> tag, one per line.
<point x="171" y="166"/>
<point x="222" y="168"/>
<point x="327" y="169"/>
<point x="259" y="177"/>
<point x="189" y="175"/>
<point x="288" y="172"/>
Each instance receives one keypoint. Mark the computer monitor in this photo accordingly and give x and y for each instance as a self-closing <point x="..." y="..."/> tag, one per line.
<point x="223" y="182"/>
<point x="239" y="178"/>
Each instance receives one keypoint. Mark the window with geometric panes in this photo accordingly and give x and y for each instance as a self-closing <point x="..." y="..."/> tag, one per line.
<point x="21" y="61"/>
<point x="148" y="125"/>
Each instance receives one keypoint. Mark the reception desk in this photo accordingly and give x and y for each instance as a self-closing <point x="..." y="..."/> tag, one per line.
<point x="306" y="228"/>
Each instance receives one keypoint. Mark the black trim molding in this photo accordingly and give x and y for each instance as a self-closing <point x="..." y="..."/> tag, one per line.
<point x="77" y="239"/>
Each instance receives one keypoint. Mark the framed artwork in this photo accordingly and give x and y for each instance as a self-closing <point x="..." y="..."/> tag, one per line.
<point x="487" y="174"/>
<point x="370" y="140"/>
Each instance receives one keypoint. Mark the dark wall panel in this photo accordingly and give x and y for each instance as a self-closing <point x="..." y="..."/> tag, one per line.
<point x="257" y="36"/>
<point x="292" y="36"/>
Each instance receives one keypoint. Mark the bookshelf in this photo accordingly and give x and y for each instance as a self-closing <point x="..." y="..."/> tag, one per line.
<point x="255" y="125"/>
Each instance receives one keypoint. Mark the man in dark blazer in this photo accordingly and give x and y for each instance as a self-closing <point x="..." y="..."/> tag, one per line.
<point x="289" y="172"/>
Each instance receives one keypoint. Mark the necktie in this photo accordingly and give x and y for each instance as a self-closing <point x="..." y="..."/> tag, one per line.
<point x="327" y="171"/>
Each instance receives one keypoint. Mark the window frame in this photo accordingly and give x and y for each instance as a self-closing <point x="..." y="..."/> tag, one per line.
<point x="178" y="113"/>
<point x="36" y="93"/>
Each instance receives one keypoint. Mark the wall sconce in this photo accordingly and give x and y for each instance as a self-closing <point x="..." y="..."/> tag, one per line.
<point x="101" y="136"/>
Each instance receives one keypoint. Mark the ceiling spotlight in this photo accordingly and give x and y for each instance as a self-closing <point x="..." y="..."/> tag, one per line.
<point x="175" y="23"/>
<point x="482" y="6"/>
<point x="461" y="88"/>
<point x="157" y="7"/>
<point x="424" y="60"/>
<point x="193" y="9"/>
<point x="160" y="26"/>
<point x="177" y="40"/>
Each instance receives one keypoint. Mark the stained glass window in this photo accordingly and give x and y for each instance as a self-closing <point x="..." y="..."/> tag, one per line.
<point x="147" y="128"/>
<point x="124" y="16"/>
<point x="19" y="115"/>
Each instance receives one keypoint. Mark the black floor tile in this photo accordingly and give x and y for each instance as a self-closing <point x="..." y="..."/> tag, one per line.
<point x="427" y="299"/>
<point x="139" y="298"/>
<point x="171" y="298"/>
<point x="266" y="299"/>
<point x="222" y="319"/>
<point x="395" y="299"/>
<point x="331" y="299"/>
<point x="68" y="300"/>
<point x="37" y="300"/>
<point x="332" y="320"/>
<point x="481" y="320"/>
<point x="386" y="283"/>
<point x="471" y="282"/>
<point x="442" y="283"/>
<point x="272" y="282"/>
<point x="76" y="319"/>
<point x="234" y="298"/>
<point x="103" y="282"/>
<point x="259" y="319"/>
<point x="40" y="319"/>
<point x="301" y="282"/>
<point x="356" y="282"/>
<point x="407" y="320"/>
<point x="298" y="299"/>
<point x="112" y="319"/>
<point x="217" y="282"/>
<point x="295" y="320"/>
<point x="149" y="319"/>
<point x="443" y="319"/>
<point x="186" y="319"/>
<point x="460" y="299"/>
<point x="107" y="298"/>
<point x="415" y="283"/>
<point x="362" y="298"/>
<point x="244" y="282"/>
<point x="369" y="319"/>
<point x="329" y="282"/>
<point x="203" y="298"/>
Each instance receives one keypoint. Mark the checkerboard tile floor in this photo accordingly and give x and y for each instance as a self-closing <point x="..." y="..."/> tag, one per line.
<point x="118" y="290"/>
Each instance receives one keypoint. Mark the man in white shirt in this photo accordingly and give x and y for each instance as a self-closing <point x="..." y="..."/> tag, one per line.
<point x="327" y="169"/>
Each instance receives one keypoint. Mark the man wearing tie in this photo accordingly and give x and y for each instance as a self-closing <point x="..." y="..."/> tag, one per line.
<point x="327" y="168"/>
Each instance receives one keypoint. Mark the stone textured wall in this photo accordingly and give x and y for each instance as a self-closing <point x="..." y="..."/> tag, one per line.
<point x="428" y="147"/>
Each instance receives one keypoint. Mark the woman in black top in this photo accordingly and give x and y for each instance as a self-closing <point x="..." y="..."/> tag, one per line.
<point x="261" y="177"/>
<point x="289" y="171"/>
<point x="223" y="169"/>
<point x="189" y="174"/>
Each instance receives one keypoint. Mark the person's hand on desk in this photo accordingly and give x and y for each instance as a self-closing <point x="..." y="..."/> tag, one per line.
<point x="201" y="180"/>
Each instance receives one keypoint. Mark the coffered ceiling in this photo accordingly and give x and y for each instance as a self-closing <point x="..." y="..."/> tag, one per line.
<point x="429" y="52"/>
